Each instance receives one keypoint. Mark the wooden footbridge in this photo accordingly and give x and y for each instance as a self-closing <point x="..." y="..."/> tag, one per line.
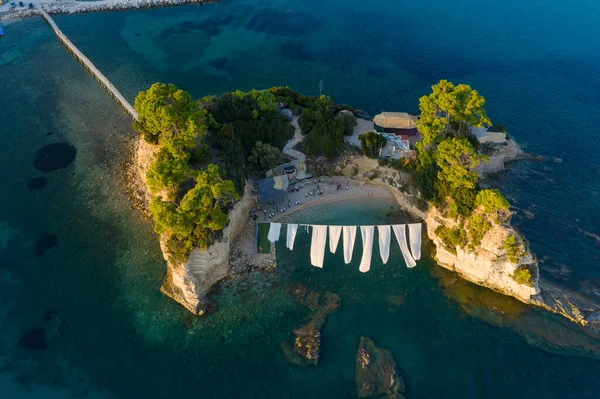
<point x="103" y="80"/>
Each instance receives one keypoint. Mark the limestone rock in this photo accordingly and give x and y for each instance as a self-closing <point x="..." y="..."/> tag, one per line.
<point x="487" y="266"/>
<point x="376" y="373"/>
<point x="190" y="283"/>
<point x="307" y="343"/>
<point x="307" y="338"/>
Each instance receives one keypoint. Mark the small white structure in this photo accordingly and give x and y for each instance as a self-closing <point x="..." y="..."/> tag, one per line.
<point x="395" y="147"/>
<point x="485" y="137"/>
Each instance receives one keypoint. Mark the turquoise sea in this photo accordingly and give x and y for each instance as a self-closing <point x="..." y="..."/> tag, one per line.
<point x="81" y="314"/>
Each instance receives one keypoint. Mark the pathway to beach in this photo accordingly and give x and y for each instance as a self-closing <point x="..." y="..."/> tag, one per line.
<point x="298" y="137"/>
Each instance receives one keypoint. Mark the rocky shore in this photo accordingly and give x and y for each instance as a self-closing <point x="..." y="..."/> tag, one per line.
<point x="486" y="268"/>
<point x="71" y="7"/>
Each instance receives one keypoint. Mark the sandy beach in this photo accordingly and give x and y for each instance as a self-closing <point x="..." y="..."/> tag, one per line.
<point x="307" y="195"/>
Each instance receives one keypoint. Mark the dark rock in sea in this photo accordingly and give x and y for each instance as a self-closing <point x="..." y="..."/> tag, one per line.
<point x="307" y="338"/>
<point x="291" y="356"/>
<point x="137" y="34"/>
<point x="395" y="302"/>
<point x="49" y="133"/>
<point x="375" y="372"/>
<point x="307" y="343"/>
<point x="44" y="243"/>
<point x="219" y="63"/>
<point x="54" y="156"/>
<point x="297" y="51"/>
<point x="34" y="340"/>
<point x="328" y="303"/>
<point x="277" y="22"/>
<point x="50" y="314"/>
<point x="37" y="183"/>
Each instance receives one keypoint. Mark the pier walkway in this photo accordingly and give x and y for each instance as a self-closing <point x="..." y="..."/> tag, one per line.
<point x="90" y="66"/>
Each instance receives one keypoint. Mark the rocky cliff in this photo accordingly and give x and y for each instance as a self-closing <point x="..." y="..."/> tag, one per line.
<point x="487" y="265"/>
<point x="189" y="283"/>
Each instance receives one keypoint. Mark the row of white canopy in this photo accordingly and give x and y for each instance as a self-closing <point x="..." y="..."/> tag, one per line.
<point x="348" y="233"/>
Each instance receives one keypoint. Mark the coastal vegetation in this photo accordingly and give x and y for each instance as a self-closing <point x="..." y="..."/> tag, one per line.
<point x="264" y="156"/>
<point x="444" y="169"/>
<point x="194" y="184"/>
<point x="169" y="118"/>
<point x="522" y="275"/>
<point x="372" y="143"/>
<point x="513" y="248"/>
<point x="206" y="150"/>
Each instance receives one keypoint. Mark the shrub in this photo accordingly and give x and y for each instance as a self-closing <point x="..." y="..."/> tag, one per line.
<point x="513" y="249"/>
<point x="325" y="138"/>
<point x="493" y="203"/>
<point x="477" y="228"/>
<point x="522" y="275"/>
<point x="372" y="143"/>
<point x="348" y="121"/>
<point x="452" y="238"/>
<point x="498" y="128"/>
<point x="264" y="156"/>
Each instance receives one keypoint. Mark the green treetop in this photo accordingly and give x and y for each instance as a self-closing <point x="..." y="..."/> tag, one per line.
<point x="265" y="99"/>
<point x="460" y="105"/>
<point x="166" y="110"/>
<point x="264" y="156"/>
<point x="167" y="173"/>
<point x="181" y="141"/>
<point x="204" y="203"/>
<point x="456" y="158"/>
<point x="200" y="213"/>
<point x="493" y="203"/>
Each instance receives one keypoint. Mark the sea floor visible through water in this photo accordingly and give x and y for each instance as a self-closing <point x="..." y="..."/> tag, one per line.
<point x="80" y="270"/>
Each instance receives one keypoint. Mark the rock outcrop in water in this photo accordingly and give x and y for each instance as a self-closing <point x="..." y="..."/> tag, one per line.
<point x="375" y="373"/>
<point x="306" y="349"/>
<point x="486" y="265"/>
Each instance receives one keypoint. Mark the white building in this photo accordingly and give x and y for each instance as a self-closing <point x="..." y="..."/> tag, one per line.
<point x="485" y="137"/>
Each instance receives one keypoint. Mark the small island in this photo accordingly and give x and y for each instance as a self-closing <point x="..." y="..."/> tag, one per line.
<point x="199" y="163"/>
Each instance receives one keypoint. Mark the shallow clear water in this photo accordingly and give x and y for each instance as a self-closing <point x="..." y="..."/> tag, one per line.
<point x="109" y="330"/>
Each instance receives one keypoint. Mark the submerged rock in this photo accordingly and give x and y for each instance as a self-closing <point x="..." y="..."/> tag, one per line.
<point x="37" y="183"/>
<point x="34" y="340"/>
<point x="44" y="243"/>
<point x="376" y="373"/>
<point x="219" y="63"/>
<point x="307" y="338"/>
<point x="54" y="156"/>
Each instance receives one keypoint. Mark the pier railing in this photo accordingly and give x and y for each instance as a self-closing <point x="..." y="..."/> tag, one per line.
<point x="90" y="66"/>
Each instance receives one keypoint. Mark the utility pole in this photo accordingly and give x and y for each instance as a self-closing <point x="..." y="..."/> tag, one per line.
<point x="320" y="88"/>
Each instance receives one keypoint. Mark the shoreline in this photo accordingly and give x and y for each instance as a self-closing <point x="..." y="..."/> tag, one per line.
<point x="330" y="200"/>
<point x="72" y="7"/>
<point x="355" y="191"/>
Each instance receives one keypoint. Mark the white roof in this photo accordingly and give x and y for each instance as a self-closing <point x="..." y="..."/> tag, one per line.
<point x="483" y="136"/>
<point x="496" y="137"/>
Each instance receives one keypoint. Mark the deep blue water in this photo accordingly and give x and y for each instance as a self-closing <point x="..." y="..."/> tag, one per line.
<point x="110" y="333"/>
